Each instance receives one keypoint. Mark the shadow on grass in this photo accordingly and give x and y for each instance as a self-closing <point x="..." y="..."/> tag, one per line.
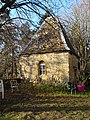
<point x="48" y="109"/>
<point x="30" y="102"/>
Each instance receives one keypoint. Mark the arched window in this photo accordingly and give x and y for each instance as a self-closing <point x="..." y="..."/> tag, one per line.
<point x="41" y="68"/>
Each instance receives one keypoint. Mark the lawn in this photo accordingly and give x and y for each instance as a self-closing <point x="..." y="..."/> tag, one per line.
<point x="31" y="105"/>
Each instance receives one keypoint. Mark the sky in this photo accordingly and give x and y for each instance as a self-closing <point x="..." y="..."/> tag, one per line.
<point x="59" y="7"/>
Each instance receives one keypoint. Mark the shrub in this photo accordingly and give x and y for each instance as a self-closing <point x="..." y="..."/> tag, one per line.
<point x="49" y="86"/>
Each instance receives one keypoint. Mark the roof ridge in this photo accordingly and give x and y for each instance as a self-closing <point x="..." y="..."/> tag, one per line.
<point x="61" y="34"/>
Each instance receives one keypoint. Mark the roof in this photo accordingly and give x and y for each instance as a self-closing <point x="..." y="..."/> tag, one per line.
<point x="50" y="37"/>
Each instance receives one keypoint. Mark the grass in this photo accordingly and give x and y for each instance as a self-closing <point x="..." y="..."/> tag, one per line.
<point x="34" y="104"/>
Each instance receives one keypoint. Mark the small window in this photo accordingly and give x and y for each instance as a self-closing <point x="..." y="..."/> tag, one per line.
<point x="41" y="68"/>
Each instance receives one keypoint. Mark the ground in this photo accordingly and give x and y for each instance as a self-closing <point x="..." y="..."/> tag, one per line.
<point x="30" y="105"/>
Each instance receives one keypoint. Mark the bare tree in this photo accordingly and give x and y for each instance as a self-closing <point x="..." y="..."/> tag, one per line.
<point x="78" y="27"/>
<point x="23" y="11"/>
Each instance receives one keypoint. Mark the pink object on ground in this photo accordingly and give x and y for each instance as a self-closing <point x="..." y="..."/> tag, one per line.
<point x="80" y="87"/>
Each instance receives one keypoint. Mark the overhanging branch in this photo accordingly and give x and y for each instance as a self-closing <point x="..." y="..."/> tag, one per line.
<point x="8" y="4"/>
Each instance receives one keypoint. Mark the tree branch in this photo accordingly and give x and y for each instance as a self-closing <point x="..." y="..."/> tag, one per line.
<point x="7" y="4"/>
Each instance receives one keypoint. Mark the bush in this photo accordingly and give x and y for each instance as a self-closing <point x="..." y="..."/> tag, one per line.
<point x="49" y="87"/>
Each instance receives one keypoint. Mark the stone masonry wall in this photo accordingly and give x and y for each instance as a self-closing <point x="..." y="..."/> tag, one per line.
<point x="56" y="65"/>
<point x="73" y="67"/>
